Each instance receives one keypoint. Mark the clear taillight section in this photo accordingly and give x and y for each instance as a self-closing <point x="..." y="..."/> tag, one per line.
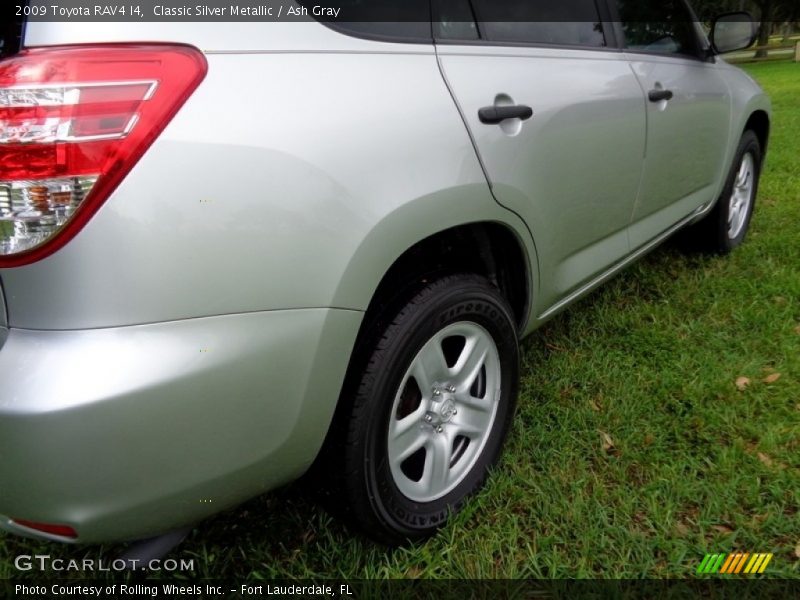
<point x="73" y="122"/>
<point x="32" y="211"/>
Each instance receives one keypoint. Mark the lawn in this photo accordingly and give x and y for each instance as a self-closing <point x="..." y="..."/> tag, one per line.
<point x="634" y="452"/>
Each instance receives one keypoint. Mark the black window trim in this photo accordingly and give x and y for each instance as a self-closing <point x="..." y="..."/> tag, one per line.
<point x="609" y="18"/>
<point x="609" y="31"/>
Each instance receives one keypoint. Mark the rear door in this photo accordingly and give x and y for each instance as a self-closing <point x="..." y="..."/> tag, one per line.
<point x="688" y="112"/>
<point x="568" y="157"/>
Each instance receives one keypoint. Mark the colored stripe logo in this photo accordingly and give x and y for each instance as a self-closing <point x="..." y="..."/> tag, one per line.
<point x="734" y="564"/>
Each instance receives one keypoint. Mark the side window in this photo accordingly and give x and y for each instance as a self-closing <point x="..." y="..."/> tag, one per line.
<point x="454" y="20"/>
<point x="557" y="22"/>
<point x="659" y="26"/>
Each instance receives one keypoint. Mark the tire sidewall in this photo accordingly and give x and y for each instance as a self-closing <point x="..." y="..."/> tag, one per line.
<point x="748" y="144"/>
<point x="414" y="519"/>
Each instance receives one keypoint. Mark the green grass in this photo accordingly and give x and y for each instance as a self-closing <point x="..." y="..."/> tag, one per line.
<point x="650" y="361"/>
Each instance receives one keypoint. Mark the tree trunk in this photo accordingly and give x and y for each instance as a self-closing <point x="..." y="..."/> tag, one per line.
<point x="766" y="27"/>
<point x="791" y="22"/>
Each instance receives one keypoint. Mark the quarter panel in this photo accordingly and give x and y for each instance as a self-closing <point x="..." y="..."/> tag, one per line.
<point x="263" y="190"/>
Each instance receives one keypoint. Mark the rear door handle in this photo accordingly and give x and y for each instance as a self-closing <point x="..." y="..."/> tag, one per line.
<point x="659" y="95"/>
<point x="492" y="115"/>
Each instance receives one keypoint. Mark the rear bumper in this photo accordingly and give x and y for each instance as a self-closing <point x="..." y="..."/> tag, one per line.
<point x="129" y="432"/>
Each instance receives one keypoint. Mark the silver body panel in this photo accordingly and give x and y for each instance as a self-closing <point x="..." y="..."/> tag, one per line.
<point x="186" y="350"/>
<point x="123" y="432"/>
<point x="686" y="136"/>
<point x="242" y="199"/>
<point x="557" y="169"/>
<point x="3" y="318"/>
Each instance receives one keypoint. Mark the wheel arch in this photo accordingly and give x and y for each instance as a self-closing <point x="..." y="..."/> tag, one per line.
<point x="758" y="122"/>
<point x="752" y="112"/>
<point x="487" y="248"/>
<point x="493" y="248"/>
<point x="462" y="229"/>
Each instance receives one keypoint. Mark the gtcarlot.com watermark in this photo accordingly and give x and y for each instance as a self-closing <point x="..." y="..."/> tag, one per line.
<point x="46" y="563"/>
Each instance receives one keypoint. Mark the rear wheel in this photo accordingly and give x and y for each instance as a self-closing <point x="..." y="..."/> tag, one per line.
<point x="726" y="226"/>
<point x="426" y="418"/>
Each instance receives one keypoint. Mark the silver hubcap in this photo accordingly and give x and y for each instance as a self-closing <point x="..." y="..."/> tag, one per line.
<point x="444" y="411"/>
<point x="742" y="196"/>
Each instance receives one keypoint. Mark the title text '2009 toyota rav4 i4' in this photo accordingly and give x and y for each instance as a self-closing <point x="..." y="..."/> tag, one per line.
<point x="229" y="250"/>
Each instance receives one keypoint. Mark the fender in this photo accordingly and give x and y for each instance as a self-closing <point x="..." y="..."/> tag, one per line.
<point x="748" y="98"/>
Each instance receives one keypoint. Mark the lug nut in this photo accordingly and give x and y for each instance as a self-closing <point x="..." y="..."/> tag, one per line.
<point x="439" y="429"/>
<point x="455" y="412"/>
<point x="428" y="418"/>
<point x="437" y="392"/>
<point x="451" y="389"/>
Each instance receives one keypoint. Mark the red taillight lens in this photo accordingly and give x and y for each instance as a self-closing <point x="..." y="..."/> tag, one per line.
<point x="73" y="122"/>
<point x="59" y="530"/>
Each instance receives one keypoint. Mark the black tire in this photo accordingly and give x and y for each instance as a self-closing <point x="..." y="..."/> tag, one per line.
<point x="354" y="462"/>
<point x="712" y="233"/>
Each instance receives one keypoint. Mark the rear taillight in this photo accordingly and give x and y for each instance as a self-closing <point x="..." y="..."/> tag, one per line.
<point x="73" y="122"/>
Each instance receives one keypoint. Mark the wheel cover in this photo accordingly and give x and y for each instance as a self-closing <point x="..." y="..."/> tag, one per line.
<point x="444" y="411"/>
<point x="742" y="196"/>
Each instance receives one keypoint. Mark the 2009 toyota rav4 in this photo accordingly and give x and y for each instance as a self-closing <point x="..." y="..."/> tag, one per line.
<point x="229" y="250"/>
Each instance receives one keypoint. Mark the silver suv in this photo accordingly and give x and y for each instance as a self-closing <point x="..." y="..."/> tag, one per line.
<point x="232" y="252"/>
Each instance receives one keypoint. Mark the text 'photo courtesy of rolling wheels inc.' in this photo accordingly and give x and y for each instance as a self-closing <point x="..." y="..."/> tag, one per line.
<point x="360" y="299"/>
